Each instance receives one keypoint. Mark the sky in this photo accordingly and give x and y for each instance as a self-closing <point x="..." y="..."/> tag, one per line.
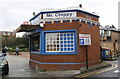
<point x="14" y="12"/>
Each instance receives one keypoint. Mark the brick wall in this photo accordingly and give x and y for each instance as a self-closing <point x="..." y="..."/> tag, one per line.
<point x="79" y="14"/>
<point x="110" y="44"/>
<point x="9" y="35"/>
<point x="93" y="50"/>
<point x="114" y="36"/>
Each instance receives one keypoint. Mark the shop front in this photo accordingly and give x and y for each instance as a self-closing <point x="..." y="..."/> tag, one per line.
<point x="63" y="39"/>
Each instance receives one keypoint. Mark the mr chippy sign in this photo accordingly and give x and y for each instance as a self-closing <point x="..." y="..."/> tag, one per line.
<point x="59" y="15"/>
<point x="85" y="39"/>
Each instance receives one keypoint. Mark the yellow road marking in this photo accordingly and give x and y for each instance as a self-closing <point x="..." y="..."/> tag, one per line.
<point x="97" y="71"/>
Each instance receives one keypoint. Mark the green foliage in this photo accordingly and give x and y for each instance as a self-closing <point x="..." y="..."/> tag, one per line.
<point x="22" y="43"/>
<point x="21" y="49"/>
<point x="42" y="70"/>
<point x="11" y="49"/>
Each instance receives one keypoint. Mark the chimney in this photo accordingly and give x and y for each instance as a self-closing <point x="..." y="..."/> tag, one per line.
<point x="33" y="13"/>
<point x="80" y="5"/>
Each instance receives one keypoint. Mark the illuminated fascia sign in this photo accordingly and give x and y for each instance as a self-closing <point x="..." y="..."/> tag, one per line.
<point x="85" y="39"/>
<point x="59" y="15"/>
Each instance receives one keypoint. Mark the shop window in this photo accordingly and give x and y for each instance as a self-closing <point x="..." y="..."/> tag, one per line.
<point x="35" y="44"/>
<point x="60" y="42"/>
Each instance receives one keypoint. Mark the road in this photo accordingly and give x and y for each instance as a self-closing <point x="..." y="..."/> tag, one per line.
<point x="19" y="67"/>
<point x="109" y="73"/>
<point x="106" y="73"/>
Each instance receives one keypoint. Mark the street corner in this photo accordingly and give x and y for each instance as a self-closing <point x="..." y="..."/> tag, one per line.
<point x="97" y="69"/>
<point x="59" y="41"/>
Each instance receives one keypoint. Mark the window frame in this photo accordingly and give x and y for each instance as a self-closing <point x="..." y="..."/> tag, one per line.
<point x="33" y="35"/>
<point x="4" y="33"/>
<point x="43" y="44"/>
<point x="8" y="33"/>
<point x="108" y="33"/>
<point x="61" y="43"/>
<point x="102" y="33"/>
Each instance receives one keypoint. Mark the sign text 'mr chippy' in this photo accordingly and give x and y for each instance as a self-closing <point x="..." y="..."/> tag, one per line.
<point x="59" y="15"/>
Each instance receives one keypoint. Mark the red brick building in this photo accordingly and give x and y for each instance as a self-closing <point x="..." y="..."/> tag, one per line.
<point x="7" y="35"/>
<point x="59" y="38"/>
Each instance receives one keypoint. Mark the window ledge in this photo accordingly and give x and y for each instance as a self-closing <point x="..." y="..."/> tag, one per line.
<point x="54" y="53"/>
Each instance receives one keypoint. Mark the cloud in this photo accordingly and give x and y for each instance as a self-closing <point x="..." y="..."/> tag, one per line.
<point x="14" y="12"/>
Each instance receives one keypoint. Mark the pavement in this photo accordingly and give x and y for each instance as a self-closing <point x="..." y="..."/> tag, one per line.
<point x="19" y="67"/>
<point x="108" y="72"/>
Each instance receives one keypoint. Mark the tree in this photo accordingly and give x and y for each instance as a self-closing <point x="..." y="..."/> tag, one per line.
<point x="21" y="42"/>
